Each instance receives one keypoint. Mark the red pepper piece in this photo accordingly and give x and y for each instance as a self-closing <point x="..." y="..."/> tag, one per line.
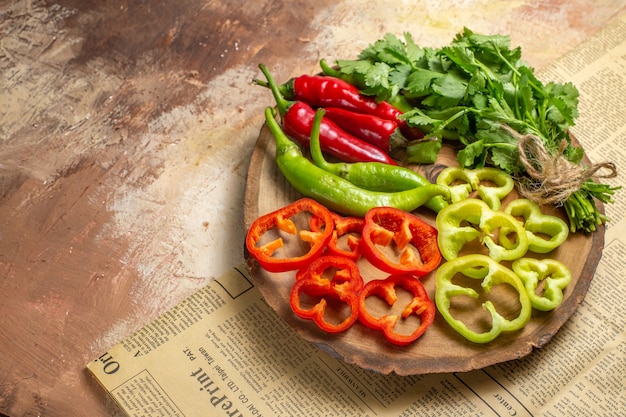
<point x="344" y="285"/>
<point x="349" y="226"/>
<point x="281" y="219"/>
<point x="382" y="133"/>
<point x="421" y="305"/>
<point x="297" y="118"/>
<point x="386" y="227"/>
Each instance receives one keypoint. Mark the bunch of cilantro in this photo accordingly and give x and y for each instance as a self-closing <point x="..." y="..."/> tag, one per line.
<point x="466" y="92"/>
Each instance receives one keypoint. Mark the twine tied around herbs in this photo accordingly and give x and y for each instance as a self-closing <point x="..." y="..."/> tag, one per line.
<point x="554" y="177"/>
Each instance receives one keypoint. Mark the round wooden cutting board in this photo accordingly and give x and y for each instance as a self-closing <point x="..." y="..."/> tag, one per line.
<point x="440" y="349"/>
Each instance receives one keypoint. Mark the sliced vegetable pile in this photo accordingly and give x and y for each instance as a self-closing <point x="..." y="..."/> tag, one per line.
<point x="333" y="276"/>
<point x="335" y="138"/>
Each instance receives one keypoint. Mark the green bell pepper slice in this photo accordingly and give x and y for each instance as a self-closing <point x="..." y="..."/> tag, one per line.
<point x="479" y="266"/>
<point x="545" y="232"/>
<point x="555" y="275"/>
<point x="462" y="182"/>
<point x="471" y="219"/>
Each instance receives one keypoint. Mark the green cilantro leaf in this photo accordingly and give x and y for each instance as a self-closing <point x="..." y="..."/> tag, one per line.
<point x="424" y="151"/>
<point x="414" y="53"/>
<point x="418" y="82"/>
<point x="564" y="103"/>
<point x="470" y="155"/>
<point x="450" y="85"/>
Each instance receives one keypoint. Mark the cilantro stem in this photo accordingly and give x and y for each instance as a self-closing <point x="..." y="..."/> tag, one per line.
<point x="513" y="68"/>
<point x="441" y="126"/>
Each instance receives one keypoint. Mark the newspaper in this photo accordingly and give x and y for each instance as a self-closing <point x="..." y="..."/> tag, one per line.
<point x="224" y="352"/>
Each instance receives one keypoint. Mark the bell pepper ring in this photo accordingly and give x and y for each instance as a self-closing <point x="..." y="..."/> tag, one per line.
<point x="420" y="305"/>
<point x="555" y="276"/>
<point x="413" y="238"/>
<point x="344" y="285"/>
<point x="491" y="273"/>
<point x="462" y="182"/>
<point x="282" y="220"/>
<point x="471" y="219"/>
<point x="545" y="232"/>
<point x="349" y="226"/>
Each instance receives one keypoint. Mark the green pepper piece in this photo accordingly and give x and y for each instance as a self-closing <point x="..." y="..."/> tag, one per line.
<point x="462" y="182"/>
<point x="555" y="275"/>
<point x="467" y="220"/>
<point x="538" y="225"/>
<point x="458" y="181"/>
<point x="491" y="273"/>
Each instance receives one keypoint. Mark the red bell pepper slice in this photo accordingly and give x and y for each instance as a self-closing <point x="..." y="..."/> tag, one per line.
<point x="421" y="305"/>
<point x="281" y="219"/>
<point x="386" y="226"/>
<point x="350" y="226"/>
<point x="328" y="278"/>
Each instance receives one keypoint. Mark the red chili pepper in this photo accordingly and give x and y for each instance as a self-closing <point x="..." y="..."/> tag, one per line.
<point x="298" y="123"/>
<point x="281" y="219"/>
<point x="328" y="91"/>
<point x="386" y="224"/>
<point x="382" y="133"/>
<point x="421" y="305"/>
<point x="331" y="91"/>
<point x="349" y="226"/>
<point x="344" y="285"/>
<point x="297" y="118"/>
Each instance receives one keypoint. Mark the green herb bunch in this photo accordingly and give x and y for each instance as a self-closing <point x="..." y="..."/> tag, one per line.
<point x="478" y="92"/>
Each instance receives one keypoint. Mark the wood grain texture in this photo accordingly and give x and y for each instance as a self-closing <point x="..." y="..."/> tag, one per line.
<point x="440" y="349"/>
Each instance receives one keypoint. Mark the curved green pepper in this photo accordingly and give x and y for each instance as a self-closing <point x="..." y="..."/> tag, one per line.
<point x="472" y="219"/>
<point x="491" y="273"/>
<point x="538" y="225"/>
<point x="372" y="175"/>
<point x="555" y="275"/>
<point x="462" y="182"/>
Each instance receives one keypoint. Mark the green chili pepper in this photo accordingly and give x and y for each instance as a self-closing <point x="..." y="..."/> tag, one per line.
<point x="374" y="176"/>
<point x="545" y="233"/>
<point x="463" y="181"/>
<point x="491" y="273"/>
<point x="334" y="192"/>
<point x="472" y="219"/>
<point x="555" y="275"/>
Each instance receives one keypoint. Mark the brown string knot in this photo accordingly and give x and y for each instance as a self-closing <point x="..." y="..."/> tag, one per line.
<point x="553" y="177"/>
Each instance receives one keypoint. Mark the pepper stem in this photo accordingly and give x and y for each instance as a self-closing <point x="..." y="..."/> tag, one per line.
<point x="328" y="70"/>
<point x="286" y="90"/>
<point x="314" y="145"/>
<point x="283" y="143"/>
<point x="282" y="104"/>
